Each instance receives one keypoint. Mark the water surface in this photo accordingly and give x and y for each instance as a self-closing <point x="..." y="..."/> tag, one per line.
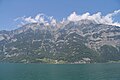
<point x="59" y="72"/>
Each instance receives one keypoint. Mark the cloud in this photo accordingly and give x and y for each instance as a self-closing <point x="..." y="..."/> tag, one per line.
<point x="114" y="13"/>
<point x="37" y="19"/>
<point x="53" y="21"/>
<point x="98" y="18"/>
<point x="49" y="20"/>
<point x="40" y="18"/>
<point x="30" y="20"/>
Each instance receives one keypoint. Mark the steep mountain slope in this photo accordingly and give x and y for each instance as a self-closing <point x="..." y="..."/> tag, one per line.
<point x="83" y="41"/>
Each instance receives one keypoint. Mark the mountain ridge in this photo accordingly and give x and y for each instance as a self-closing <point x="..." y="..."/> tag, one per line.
<point x="83" y="41"/>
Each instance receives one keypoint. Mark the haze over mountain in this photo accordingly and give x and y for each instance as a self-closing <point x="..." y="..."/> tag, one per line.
<point x="82" y="38"/>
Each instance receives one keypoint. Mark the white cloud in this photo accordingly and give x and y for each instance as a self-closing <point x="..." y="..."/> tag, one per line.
<point x="108" y="19"/>
<point x="40" y="18"/>
<point x="30" y="20"/>
<point x="114" y="13"/>
<point x="52" y="21"/>
<point x="49" y="20"/>
<point x="63" y="20"/>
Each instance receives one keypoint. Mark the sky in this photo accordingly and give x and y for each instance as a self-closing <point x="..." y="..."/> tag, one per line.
<point x="12" y="9"/>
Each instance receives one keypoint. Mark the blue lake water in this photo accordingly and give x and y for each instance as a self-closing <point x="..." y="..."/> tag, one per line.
<point x="59" y="71"/>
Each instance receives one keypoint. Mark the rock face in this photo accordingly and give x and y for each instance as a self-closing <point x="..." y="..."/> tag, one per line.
<point x="70" y="42"/>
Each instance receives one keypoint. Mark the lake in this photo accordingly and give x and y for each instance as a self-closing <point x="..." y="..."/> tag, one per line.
<point x="59" y="71"/>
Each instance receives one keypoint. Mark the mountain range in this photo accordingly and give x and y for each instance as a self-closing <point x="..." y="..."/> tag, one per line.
<point x="83" y="41"/>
